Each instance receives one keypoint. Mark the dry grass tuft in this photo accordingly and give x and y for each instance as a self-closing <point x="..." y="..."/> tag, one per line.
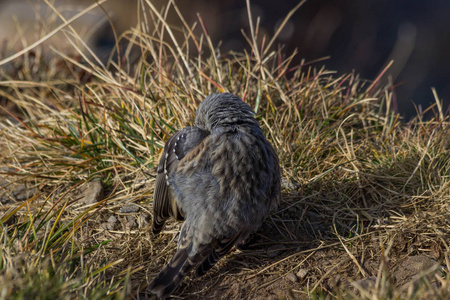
<point x="364" y="192"/>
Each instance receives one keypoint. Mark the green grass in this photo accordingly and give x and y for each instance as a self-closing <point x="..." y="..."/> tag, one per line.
<point x="367" y="188"/>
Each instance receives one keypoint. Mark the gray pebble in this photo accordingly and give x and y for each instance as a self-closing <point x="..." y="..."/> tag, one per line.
<point x="292" y="277"/>
<point x="112" y="220"/>
<point x="302" y="273"/>
<point x="129" y="209"/>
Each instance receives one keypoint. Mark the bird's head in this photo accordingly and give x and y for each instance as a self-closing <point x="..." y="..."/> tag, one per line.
<point x="220" y="110"/>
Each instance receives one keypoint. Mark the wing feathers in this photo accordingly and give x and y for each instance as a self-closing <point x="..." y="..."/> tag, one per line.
<point x="176" y="148"/>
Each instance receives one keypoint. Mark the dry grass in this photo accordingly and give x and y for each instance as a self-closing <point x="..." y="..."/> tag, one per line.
<point x="364" y="191"/>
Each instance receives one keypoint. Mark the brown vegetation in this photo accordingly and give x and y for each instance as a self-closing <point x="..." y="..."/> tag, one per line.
<point x="365" y="210"/>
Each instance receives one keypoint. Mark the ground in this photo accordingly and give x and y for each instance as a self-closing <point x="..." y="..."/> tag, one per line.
<point x="365" y="204"/>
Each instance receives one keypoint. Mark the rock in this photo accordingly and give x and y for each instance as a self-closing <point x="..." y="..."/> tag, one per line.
<point x="11" y="191"/>
<point x="301" y="274"/>
<point x="108" y="226"/>
<point x="22" y="192"/>
<point x="412" y="267"/>
<point x="292" y="277"/>
<point x="129" y="209"/>
<point x="130" y="225"/>
<point x="93" y="192"/>
<point x="366" y="283"/>
<point x="112" y="220"/>
<point x="289" y="184"/>
<point x="275" y="250"/>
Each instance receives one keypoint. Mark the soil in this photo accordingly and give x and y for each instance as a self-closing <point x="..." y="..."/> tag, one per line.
<point x="296" y="253"/>
<point x="280" y="263"/>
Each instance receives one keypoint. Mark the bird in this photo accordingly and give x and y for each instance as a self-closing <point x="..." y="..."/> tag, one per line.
<point x="222" y="178"/>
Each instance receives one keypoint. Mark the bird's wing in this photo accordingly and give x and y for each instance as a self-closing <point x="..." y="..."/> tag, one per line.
<point x="176" y="148"/>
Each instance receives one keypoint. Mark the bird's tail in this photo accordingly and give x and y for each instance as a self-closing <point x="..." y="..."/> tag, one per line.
<point x="181" y="263"/>
<point x="172" y="274"/>
<point x="208" y="263"/>
<point x="219" y="250"/>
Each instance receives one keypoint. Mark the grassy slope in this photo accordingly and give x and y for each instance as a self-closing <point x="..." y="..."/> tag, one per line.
<point x="365" y="187"/>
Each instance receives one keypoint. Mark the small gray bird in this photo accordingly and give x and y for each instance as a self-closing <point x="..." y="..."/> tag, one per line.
<point x="221" y="177"/>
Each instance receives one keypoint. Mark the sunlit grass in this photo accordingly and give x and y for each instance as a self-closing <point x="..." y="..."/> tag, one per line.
<point x="361" y="177"/>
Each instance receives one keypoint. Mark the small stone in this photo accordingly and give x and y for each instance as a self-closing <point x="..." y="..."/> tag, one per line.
<point x="93" y="192"/>
<point x="292" y="277"/>
<point x="11" y="191"/>
<point x="131" y="225"/>
<point x="302" y="273"/>
<point x="289" y="184"/>
<point x="129" y="209"/>
<point x="23" y="192"/>
<point x="112" y="220"/>
<point x="107" y="226"/>
<point x="411" y="267"/>
<point x="275" y="250"/>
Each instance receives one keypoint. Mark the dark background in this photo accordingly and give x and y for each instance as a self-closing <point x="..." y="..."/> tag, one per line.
<point x="361" y="35"/>
<point x="358" y="35"/>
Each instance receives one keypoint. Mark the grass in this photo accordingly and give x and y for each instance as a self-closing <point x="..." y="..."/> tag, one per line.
<point x="364" y="191"/>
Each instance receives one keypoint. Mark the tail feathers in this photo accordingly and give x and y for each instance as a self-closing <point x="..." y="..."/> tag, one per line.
<point x="171" y="275"/>
<point x="181" y="263"/>
<point x="221" y="248"/>
<point x="207" y="264"/>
